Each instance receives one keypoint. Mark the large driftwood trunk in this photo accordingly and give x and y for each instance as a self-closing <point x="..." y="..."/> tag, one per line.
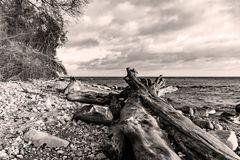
<point x="147" y="139"/>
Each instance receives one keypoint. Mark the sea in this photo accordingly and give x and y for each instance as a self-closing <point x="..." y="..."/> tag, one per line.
<point x="222" y="93"/>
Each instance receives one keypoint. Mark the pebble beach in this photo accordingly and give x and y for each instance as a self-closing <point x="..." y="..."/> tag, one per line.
<point x="37" y="106"/>
<point x="37" y="123"/>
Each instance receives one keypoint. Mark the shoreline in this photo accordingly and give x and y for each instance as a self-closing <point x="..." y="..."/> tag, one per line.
<point x="44" y="109"/>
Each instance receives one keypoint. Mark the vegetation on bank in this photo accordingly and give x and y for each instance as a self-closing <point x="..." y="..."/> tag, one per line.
<point x="30" y="33"/>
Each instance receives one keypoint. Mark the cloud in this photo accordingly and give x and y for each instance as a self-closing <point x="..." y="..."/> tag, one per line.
<point x="169" y="36"/>
<point x="144" y="58"/>
<point x="84" y="43"/>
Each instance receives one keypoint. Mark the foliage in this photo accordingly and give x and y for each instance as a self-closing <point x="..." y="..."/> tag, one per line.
<point x="24" y="62"/>
<point x="39" y="26"/>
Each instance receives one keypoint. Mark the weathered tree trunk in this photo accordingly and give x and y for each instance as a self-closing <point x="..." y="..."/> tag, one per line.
<point x="142" y="134"/>
<point x="147" y="139"/>
<point x="89" y="97"/>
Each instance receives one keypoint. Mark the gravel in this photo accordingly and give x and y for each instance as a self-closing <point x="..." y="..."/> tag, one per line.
<point x="37" y="105"/>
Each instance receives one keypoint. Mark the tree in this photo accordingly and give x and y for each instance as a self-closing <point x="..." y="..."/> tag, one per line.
<point x="40" y="24"/>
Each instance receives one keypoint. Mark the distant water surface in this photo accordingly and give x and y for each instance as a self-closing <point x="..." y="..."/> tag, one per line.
<point x="217" y="92"/>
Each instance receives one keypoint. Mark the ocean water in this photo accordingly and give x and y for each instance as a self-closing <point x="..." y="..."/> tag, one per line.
<point x="216" y="92"/>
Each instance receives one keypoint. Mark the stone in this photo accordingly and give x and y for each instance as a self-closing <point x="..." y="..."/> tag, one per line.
<point x="60" y="151"/>
<point x="179" y="111"/>
<point x="19" y="156"/>
<point x="227" y="114"/>
<point x="100" y="156"/>
<point x="60" y="86"/>
<point x="206" y="124"/>
<point x="187" y="110"/>
<point x="94" y="114"/>
<point x="218" y="127"/>
<point x="3" y="155"/>
<point x="237" y="108"/>
<point x="39" y="138"/>
<point x="91" y="156"/>
<point x="204" y="111"/>
<point x="227" y="137"/>
<point x="230" y="116"/>
<point x="73" y="87"/>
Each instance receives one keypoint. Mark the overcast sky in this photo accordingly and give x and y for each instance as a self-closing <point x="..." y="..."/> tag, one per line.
<point x="169" y="37"/>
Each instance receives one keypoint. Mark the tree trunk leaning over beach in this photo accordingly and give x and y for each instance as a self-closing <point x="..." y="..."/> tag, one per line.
<point x="140" y="129"/>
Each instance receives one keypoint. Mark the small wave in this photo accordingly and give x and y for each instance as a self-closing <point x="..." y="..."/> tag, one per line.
<point x="203" y="86"/>
<point x="168" y="89"/>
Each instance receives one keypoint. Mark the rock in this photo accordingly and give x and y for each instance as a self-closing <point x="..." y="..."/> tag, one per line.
<point x="60" y="151"/>
<point x="19" y="156"/>
<point x="227" y="114"/>
<point x="237" y="108"/>
<point x="48" y="103"/>
<point x="197" y="112"/>
<point x="179" y="111"/>
<point x="61" y="85"/>
<point x="94" y="114"/>
<point x="100" y="156"/>
<point x="3" y="155"/>
<point x="203" y="123"/>
<point x="39" y="138"/>
<point x="218" y="127"/>
<point x="91" y="156"/>
<point x="227" y="137"/>
<point x="212" y="111"/>
<point x="187" y="110"/>
<point x="204" y="111"/>
<point x="73" y="86"/>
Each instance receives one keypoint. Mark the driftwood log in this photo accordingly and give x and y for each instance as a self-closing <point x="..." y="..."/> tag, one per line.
<point x="141" y="136"/>
<point x="147" y="140"/>
<point x="89" y="97"/>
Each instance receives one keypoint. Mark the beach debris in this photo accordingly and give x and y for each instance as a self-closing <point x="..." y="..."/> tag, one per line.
<point x="237" y="108"/>
<point x="227" y="137"/>
<point x="206" y="124"/>
<point x="39" y="138"/>
<point x="143" y="138"/>
<point x="94" y="114"/>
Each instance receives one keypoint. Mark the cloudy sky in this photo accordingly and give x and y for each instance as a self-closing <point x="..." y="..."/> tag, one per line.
<point x="169" y="37"/>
